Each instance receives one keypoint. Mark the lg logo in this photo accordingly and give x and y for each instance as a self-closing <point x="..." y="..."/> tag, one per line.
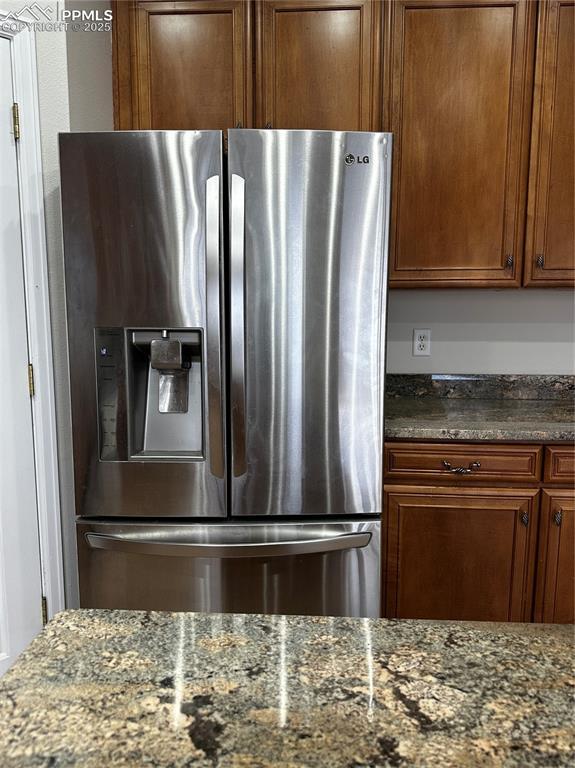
<point x="351" y="159"/>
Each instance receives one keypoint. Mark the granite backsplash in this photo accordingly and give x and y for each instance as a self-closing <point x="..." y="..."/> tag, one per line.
<point x="481" y="386"/>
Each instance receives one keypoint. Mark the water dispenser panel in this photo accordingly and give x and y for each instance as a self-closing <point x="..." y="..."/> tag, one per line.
<point x="166" y="413"/>
<point x="149" y="390"/>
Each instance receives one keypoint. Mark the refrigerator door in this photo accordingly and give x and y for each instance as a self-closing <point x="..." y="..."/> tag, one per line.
<point x="142" y="237"/>
<point x="287" y="568"/>
<point x="309" y="215"/>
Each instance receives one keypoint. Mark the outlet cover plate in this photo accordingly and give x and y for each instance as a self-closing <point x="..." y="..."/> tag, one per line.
<point x="421" y="342"/>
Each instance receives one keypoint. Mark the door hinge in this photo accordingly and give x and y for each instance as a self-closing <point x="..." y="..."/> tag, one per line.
<point x="44" y="611"/>
<point x="31" y="387"/>
<point x="16" y="120"/>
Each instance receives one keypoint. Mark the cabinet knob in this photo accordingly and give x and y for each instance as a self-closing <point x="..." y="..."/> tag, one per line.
<point x="540" y="260"/>
<point x="268" y="125"/>
<point x="509" y="261"/>
<point x="525" y="519"/>
<point x="558" y="516"/>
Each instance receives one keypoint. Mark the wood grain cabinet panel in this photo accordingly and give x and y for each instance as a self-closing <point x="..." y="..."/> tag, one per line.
<point x="318" y="64"/>
<point x="462" y="463"/>
<point x="459" y="554"/>
<point x="185" y="65"/>
<point x="458" y="77"/>
<point x="560" y="464"/>
<point x="550" y="242"/>
<point x="555" y="596"/>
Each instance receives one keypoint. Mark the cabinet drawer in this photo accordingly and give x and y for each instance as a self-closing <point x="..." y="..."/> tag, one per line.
<point x="560" y="464"/>
<point x="470" y="463"/>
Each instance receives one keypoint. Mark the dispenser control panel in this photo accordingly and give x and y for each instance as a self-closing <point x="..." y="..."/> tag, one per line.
<point x="111" y="383"/>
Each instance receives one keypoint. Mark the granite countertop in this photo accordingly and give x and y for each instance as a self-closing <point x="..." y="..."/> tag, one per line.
<point x="123" y="688"/>
<point x="534" y="421"/>
<point x="536" y="409"/>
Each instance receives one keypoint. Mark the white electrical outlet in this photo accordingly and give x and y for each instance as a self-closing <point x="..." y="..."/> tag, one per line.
<point x="421" y="341"/>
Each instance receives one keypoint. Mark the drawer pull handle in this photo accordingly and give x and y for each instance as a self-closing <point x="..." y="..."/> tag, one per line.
<point x="558" y="517"/>
<point x="461" y="470"/>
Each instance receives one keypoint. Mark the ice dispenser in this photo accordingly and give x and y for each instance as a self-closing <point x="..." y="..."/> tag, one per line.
<point x="173" y="373"/>
<point x="150" y="386"/>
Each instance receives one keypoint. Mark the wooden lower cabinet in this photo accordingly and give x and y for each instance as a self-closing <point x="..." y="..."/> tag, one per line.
<point x="560" y="465"/>
<point x="464" y="463"/>
<point x="555" y="595"/>
<point x="459" y="553"/>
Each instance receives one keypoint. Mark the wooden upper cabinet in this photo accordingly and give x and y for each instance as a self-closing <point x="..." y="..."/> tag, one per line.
<point x="459" y="553"/>
<point x="318" y="64"/>
<point x="549" y="248"/>
<point x="555" y="596"/>
<point x="458" y="77"/>
<point x="183" y="65"/>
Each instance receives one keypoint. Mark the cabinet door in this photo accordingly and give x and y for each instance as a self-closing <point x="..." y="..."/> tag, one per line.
<point x="458" y="79"/>
<point x="459" y="554"/>
<point x="550" y="249"/>
<point x="555" y="596"/>
<point x="183" y="65"/>
<point x="317" y="64"/>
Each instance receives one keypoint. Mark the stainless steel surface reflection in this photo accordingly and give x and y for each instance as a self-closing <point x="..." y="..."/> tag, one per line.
<point x="158" y="435"/>
<point x="304" y="568"/>
<point x="308" y="247"/>
<point x="142" y="231"/>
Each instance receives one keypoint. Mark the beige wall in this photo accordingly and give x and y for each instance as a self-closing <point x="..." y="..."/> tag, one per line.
<point x="90" y="75"/>
<point x="483" y="331"/>
<point x="75" y="93"/>
<point x="54" y="113"/>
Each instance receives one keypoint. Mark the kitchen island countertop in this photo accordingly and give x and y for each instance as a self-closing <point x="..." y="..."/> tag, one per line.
<point x="102" y="688"/>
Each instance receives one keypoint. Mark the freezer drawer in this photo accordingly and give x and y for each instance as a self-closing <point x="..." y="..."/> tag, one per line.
<point x="307" y="568"/>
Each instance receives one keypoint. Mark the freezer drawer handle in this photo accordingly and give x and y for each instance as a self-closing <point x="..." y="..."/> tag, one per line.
<point x="119" y="543"/>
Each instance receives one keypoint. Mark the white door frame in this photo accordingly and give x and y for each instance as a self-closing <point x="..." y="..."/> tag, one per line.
<point x="34" y="249"/>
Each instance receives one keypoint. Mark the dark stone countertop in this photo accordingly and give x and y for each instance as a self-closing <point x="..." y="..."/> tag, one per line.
<point x="428" y="418"/>
<point x="535" y="409"/>
<point x="121" y="688"/>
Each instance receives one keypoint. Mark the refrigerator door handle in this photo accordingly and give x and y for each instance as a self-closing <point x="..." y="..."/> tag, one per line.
<point x="213" y="319"/>
<point x="144" y="546"/>
<point x="237" y="362"/>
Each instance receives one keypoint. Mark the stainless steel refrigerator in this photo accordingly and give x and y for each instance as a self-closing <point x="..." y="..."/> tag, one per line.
<point x="226" y="323"/>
